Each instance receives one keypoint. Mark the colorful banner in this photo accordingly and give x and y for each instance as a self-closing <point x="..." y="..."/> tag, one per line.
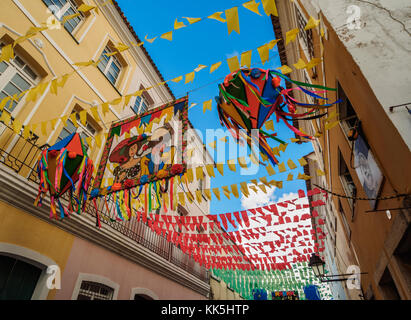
<point x="144" y="149"/>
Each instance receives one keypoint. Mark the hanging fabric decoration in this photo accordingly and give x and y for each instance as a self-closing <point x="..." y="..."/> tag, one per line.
<point x="59" y="169"/>
<point x="248" y="98"/>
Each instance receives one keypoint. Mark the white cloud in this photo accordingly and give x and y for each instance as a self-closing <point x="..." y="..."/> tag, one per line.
<point x="259" y="199"/>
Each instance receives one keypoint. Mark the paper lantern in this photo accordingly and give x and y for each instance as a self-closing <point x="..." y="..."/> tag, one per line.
<point x="59" y="169"/>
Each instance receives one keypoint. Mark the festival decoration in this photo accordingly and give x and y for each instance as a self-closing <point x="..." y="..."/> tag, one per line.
<point x="59" y="169"/>
<point x="248" y="97"/>
<point x="312" y="293"/>
<point x="285" y="295"/>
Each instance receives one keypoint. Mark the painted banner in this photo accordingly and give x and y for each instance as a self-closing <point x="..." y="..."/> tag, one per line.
<point x="285" y="295"/>
<point x="145" y="148"/>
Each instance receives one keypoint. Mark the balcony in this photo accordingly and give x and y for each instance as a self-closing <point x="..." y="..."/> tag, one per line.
<point x="20" y="155"/>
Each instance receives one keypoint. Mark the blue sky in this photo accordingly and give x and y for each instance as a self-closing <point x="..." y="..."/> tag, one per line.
<point x="208" y="42"/>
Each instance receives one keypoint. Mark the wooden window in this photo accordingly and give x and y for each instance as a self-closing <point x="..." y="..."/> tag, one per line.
<point x="110" y="65"/>
<point x="63" y="8"/>
<point x="16" y="76"/>
<point x="346" y="180"/>
<point x="348" y="117"/>
<point x="85" y="131"/>
<point x="140" y="106"/>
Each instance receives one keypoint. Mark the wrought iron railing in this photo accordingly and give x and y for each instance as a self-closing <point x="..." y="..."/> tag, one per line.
<point x="20" y="155"/>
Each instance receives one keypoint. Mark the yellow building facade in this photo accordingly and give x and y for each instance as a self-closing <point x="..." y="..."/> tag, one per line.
<point x="72" y="96"/>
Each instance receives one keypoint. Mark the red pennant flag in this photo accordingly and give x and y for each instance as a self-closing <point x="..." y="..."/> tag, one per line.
<point x="301" y="193"/>
<point x="229" y="218"/>
<point x="224" y="221"/>
<point x="273" y="209"/>
<point x="237" y="217"/>
<point x="245" y="218"/>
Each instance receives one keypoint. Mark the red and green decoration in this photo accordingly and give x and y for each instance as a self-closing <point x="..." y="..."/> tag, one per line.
<point x="65" y="167"/>
<point x="249" y="97"/>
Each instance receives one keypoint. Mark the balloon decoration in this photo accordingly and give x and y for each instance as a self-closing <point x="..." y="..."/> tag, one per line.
<point x="248" y="98"/>
<point x="59" y="169"/>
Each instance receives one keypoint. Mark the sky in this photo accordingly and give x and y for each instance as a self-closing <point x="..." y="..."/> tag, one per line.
<point x="208" y="42"/>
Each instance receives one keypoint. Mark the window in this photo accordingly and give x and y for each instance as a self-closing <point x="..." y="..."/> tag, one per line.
<point x="95" y="291"/>
<point x="15" y="77"/>
<point x="140" y="106"/>
<point x="110" y="65"/>
<point x="348" y="117"/>
<point x="84" y="131"/>
<point x="344" y="220"/>
<point x="18" y="279"/>
<point x="307" y="35"/>
<point x="388" y="287"/>
<point x="346" y="180"/>
<point x="62" y="8"/>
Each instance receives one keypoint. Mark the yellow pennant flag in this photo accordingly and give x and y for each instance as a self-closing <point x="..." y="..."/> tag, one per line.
<point x="178" y="79"/>
<point x="302" y="162"/>
<point x="291" y="35"/>
<point x="264" y="53"/>
<point x="276" y="151"/>
<point x="281" y="167"/>
<point x="199" y="173"/>
<point x="207" y="194"/>
<point x="253" y="159"/>
<point x="54" y="86"/>
<point x="85" y="8"/>
<point x="216" y="192"/>
<point x="192" y="20"/>
<point x="7" y="53"/>
<point x="17" y="125"/>
<point x="104" y="108"/>
<point x="270" y="7"/>
<point x="312" y="23"/>
<point x="150" y="40"/>
<point x="246" y="59"/>
<point x="121" y="47"/>
<point x="207" y="105"/>
<point x="224" y="139"/>
<point x="313" y="62"/>
<point x="264" y="180"/>
<point x="300" y="64"/>
<point x="291" y="164"/>
<point x="220" y="168"/>
<point x="242" y="162"/>
<point x="5" y="118"/>
<point x="83" y="117"/>
<point x="212" y="144"/>
<point x="94" y="112"/>
<point x="272" y="43"/>
<point x="262" y="187"/>
<point x="320" y="172"/>
<point x="190" y="176"/>
<point x="233" y="64"/>
<point x="303" y="176"/>
<point x="330" y="125"/>
<point x="252" y="6"/>
<point x="290" y="177"/>
<point x="26" y="132"/>
<point x="215" y="66"/>
<point x="285" y="69"/>
<point x="182" y="198"/>
<point x="217" y="16"/>
<point x="73" y="118"/>
<point x="210" y="170"/>
<point x="98" y="140"/>
<point x="270" y="170"/>
<point x="199" y="196"/>
<point x="231" y="164"/>
<point x="269" y="125"/>
<point x="278" y="184"/>
<point x="200" y="67"/>
<point x="168" y="36"/>
<point x="234" y="190"/>
<point x="233" y="23"/>
<point x="84" y="64"/>
<point x="226" y="191"/>
<point x="190" y="77"/>
<point x="116" y="101"/>
<point x="4" y="102"/>
<point x="263" y="156"/>
<point x="283" y="147"/>
<point x="69" y="17"/>
<point x="178" y="25"/>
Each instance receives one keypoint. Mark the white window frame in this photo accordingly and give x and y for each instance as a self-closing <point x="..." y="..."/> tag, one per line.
<point x="80" y="129"/>
<point x="61" y="12"/>
<point x="112" y="59"/>
<point x="7" y="76"/>
<point x="140" y="105"/>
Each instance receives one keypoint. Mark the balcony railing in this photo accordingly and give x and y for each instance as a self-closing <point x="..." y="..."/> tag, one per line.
<point x="21" y="155"/>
